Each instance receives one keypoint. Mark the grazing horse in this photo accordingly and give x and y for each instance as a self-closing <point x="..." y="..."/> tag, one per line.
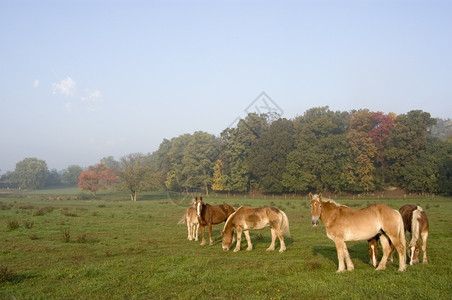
<point x="211" y="214"/>
<point x="372" y="246"/>
<point x="415" y="221"/>
<point x="191" y="219"/>
<point x="345" y="224"/>
<point x="247" y="218"/>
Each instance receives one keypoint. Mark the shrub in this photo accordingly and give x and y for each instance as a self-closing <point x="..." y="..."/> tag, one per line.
<point x="65" y="235"/>
<point x="6" y="274"/>
<point x="12" y="224"/>
<point x="44" y="210"/>
<point x="81" y="238"/>
<point x="28" y="224"/>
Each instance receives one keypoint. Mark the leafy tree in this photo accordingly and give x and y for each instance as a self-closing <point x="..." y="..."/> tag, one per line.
<point x="406" y="143"/>
<point x="235" y="146"/>
<point x="174" y="180"/>
<point x="30" y="173"/>
<point x="53" y="179"/>
<point x="362" y="152"/>
<point x="71" y="174"/>
<point x="321" y="152"/>
<point x="96" y="178"/>
<point x="267" y="157"/>
<point x="135" y="174"/>
<point x="198" y="160"/>
<point x="110" y="163"/>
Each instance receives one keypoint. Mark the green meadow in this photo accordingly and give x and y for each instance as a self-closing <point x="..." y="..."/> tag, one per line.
<point x="60" y="244"/>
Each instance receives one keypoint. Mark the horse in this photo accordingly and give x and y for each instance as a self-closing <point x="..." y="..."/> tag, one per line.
<point x="372" y="247"/>
<point x="415" y="221"/>
<point x="191" y="219"/>
<point x="345" y="224"/>
<point x="248" y="218"/>
<point x="211" y="214"/>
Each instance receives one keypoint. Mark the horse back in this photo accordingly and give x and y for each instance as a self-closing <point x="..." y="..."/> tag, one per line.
<point x="215" y="214"/>
<point x="407" y="215"/>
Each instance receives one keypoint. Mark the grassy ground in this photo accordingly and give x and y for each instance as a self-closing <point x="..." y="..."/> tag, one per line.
<point x="109" y="247"/>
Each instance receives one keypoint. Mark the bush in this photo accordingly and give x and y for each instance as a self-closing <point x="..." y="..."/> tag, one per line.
<point x="65" y="235"/>
<point x="6" y="274"/>
<point x="28" y="224"/>
<point x="13" y="224"/>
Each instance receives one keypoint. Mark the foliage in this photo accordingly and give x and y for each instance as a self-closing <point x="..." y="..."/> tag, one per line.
<point x="96" y="178"/>
<point x="135" y="175"/>
<point x="322" y="150"/>
<point x="30" y="173"/>
<point x="71" y="174"/>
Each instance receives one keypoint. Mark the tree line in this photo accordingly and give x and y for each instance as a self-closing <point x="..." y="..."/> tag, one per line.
<point x="322" y="150"/>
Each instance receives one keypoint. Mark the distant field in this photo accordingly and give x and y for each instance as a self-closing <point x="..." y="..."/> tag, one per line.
<point x="110" y="248"/>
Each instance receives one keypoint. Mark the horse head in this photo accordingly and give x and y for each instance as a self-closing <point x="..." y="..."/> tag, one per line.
<point x="198" y="205"/>
<point x="316" y="208"/>
<point x="227" y="238"/>
<point x="414" y="252"/>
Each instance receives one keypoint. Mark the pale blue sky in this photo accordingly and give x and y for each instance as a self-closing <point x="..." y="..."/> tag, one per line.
<point x="81" y="80"/>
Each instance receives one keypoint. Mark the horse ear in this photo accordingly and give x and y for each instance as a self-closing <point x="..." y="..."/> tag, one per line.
<point x="320" y="196"/>
<point x="200" y="198"/>
<point x="310" y="195"/>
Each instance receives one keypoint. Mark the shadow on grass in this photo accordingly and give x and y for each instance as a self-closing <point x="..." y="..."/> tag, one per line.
<point x="257" y="239"/>
<point x="357" y="250"/>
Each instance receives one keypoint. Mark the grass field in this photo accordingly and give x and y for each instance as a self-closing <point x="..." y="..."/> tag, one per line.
<point x="53" y="246"/>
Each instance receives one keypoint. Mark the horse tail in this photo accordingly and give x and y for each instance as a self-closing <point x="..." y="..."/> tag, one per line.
<point x="401" y="231"/>
<point x="182" y="220"/>
<point x="285" y="224"/>
<point x="415" y="225"/>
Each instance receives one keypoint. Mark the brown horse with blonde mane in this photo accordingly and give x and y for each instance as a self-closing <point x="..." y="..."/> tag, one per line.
<point x="415" y="221"/>
<point x="209" y="215"/>
<point x="345" y="224"/>
<point x="248" y="218"/>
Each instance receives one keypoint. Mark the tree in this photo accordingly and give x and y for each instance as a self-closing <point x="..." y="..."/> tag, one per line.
<point x="235" y="147"/>
<point x="198" y="160"/>
<point x="362" y="152"/>
<point x="110" y="163"/>
<point x="320" y="154"/>
<point x="53" y="179"/>
<point x="135" y="174"/>
<point x="30" y="173"/>
<point x="267" y="157"/>
<point x="71" y="174"/>
<point x="96" y="178"/>
<point x="406" y="143"/>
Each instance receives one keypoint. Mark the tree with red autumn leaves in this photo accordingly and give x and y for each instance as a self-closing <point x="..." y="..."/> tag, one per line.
<point x="96" y="178"/>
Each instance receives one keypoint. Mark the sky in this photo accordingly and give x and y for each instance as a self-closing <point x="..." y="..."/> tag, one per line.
<point x="82" y="80"/>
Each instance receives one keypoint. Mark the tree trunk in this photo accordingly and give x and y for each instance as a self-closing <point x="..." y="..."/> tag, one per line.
<point x="133" y="196"/>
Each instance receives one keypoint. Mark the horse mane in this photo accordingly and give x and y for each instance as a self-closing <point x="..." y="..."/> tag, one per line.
<point x="327" y="200"/>
<point x="230" y="216"/>
<point x="415" y="225"/>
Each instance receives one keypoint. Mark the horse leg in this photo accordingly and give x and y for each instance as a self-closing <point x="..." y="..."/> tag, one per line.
<point x="385" y="244"/>
<point x="210" y="234"/>
<point x="342" y="256"/>
<point x="239" y="239"/>
<point x="189" y="231"/>
<point x="203" y="240"/>
<point x="282" y="245"/>
<point x="248" y="240"/>
<point x="196" y="231"/>
<point x="424" y="247"/>
<point x="272" y="245"/>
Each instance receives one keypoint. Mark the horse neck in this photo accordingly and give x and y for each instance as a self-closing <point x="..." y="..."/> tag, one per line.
<point x="328" y="209"/>
<point x="416" y="225"/>
<point x="228" y="226"/>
